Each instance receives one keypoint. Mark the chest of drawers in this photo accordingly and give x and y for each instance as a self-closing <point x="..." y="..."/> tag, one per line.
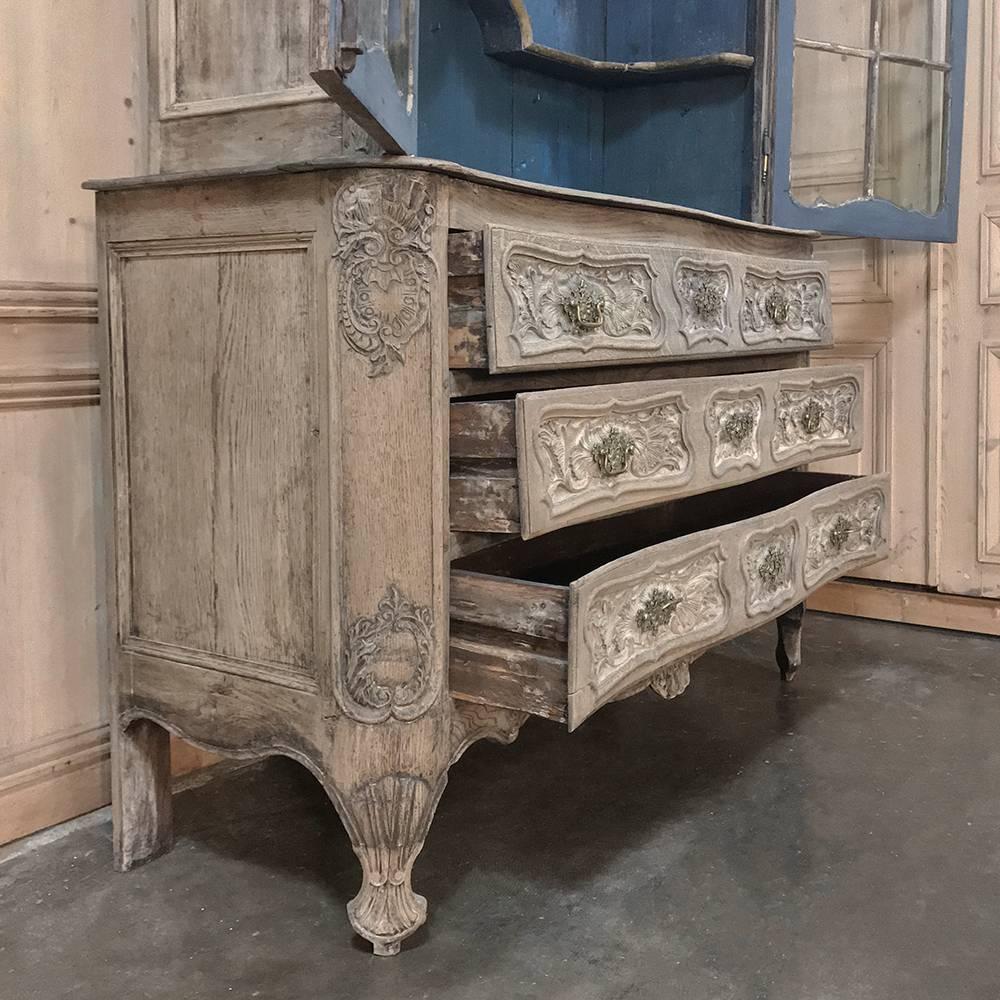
<point x="400" y="454"/>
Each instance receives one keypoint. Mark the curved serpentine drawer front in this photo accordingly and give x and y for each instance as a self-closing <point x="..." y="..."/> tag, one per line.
<point x="523" y="638"/>
<point x="560" y="457"/>
<point x="555" y="302"/>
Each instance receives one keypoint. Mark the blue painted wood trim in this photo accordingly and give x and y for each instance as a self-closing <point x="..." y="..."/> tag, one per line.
<point x="874" y="217"/>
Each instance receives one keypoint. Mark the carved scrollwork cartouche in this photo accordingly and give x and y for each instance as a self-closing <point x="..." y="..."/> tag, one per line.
<point x="780" y="307"/>
<point x="628" y="623"/>
<point x="703" y="290"/>
<point x="388" y="670"/>
<point x="578" y="302"/>
<point x="626" y="446"/>
<point x="813" y="417"/>
<point x="733" y="421"/>
<point x="768" y="564"/>
<point x="387" y="820"/>
<point x="668" y="682"/>
<point x="471" y="721"/>
<point x="383" y="232"/>
<point x="837" y="535"/>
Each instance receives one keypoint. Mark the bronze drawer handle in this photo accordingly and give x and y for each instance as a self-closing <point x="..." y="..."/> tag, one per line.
<point x="708" y="301"/>
<point x="613" y="452"/>
<point x="811" y="417"/>
<point x="771" y="567"/>
<point x="777" y="307"/>
<point x="656" y="610"/>
<point x="839" y="533"/>
<point x="737" y="427"/>
<point x="584" y="303"/>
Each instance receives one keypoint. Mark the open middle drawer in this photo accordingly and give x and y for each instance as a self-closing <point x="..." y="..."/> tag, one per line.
<point x="545" y="460"/>
<point x="562" y="625"/>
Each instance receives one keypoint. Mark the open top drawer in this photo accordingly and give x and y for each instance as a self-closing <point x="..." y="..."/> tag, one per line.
<point x="522" y="301"/>
<point x="564" y="624"/>
<point x="545" y="460"/>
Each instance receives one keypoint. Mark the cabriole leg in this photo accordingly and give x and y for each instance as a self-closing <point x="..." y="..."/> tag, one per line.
<point x="789" y="650"/>
<point x="141" y="797"/>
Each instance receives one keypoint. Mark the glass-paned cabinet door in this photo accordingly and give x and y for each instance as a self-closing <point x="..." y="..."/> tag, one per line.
<point x="373" y="51"/>
<point x="866" y="126"/>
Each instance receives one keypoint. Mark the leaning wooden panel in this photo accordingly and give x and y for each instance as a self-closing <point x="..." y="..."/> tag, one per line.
<point x="554" y="302"/>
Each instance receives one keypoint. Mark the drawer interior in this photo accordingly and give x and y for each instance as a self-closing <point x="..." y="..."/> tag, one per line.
<point x="567" y="554"/>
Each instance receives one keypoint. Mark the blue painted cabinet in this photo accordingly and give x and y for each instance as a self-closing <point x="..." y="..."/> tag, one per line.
<point x="687" y="101"/>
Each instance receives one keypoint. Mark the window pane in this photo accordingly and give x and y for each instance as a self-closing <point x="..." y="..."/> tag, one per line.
<point x="846" y="22"/>
<point x="910" y="122"/>
<point x="915" y="27"/>
<point x="828" y="127"/>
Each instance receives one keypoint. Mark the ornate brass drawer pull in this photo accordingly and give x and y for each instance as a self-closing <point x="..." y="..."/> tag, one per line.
<point x="584" y="303"/>
<point x="811" y="417"/>
<point x="613" y="451"/>
<point x="737" y="427"/>
<point x="777" y="306"/>
<point x="771" y="567"/>
<point x="839" y="533"/>
<point x="707" y="301"/>
<point x="656" y="610"/>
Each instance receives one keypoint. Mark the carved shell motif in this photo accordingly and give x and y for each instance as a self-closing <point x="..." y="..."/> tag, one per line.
<point x="837" y="535"/>
<point x="388" y="670"/>
<point x="580" y="453"/>
<point x="768" y="568"/>
<point x="733" y="426"/>
<point x="383" y="232"/>
<point x="813" y="417"/>
<point x="703" y="291"/>
<point x="631" y="623"/>
<point x="779" y="307"/>
<point x="580" y="303"/>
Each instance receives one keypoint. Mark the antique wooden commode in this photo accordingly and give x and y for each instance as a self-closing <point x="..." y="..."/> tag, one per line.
<point x="401" y="453"/>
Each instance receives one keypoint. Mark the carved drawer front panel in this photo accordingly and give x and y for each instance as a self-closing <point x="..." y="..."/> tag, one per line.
<point x="549" y="301"/>
<point x="562" y="625"/>
<point x="560" y="457"/>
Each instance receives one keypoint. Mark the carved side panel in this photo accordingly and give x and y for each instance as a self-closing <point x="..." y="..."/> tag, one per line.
<point x="779" y="307"/>
<point x="733" y="422"/>
<point x="382" y="228"/>
<point x="841" y="534"/>
<point x="581" y="302"/>
<point x="389" y="671"/>
<point x="611" y="450"/>
<point x="704" y="291"/>
<point x="769" y="563"/>
<point x="814" y="417"/>
<point x="653" y="615"/>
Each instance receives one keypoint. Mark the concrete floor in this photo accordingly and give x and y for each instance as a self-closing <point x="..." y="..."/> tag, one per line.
<point x="840" y="841"/>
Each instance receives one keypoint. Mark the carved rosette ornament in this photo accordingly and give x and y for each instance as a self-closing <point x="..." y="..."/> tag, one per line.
<point x="768" y="565"/>
<point x="383" y="232"/>
<point x="780" y="307"/>
<point x="838" y="535"/>
<point x="733" y="423"/>
<point x="387" y="820"/>
<point x="625" y="447"/>
<point x="629" y="623"/>
<point x="388" y="669"/>
<point x="703" y="292"/>
<point x="813" y="417"/>
<point x="577" y="302"/>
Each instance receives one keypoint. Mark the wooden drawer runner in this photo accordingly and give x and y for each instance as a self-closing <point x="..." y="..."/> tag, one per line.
<point x="564" y="624"/>
<point x="545" y="460"/>
<point x="527" y="301"/>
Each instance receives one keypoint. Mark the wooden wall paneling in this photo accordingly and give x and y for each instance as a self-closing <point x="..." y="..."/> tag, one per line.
<point x="63" y="123"/>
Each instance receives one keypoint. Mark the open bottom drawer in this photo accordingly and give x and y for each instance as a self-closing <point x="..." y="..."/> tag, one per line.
<point x="563" y="624"/>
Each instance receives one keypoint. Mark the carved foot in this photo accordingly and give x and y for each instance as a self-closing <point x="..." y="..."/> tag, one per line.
<point x="387" y="820"/>
<point x="789" y="649"/>
<point x="142" y="805"/>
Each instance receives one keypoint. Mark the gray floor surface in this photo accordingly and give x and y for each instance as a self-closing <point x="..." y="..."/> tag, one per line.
<point x="836" y="841"/>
